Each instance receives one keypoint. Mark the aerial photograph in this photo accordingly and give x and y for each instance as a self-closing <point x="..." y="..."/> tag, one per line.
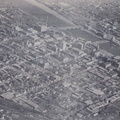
<point x="59" y="59"/>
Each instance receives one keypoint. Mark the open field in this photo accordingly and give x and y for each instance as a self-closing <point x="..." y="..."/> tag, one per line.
<point x="39" y="13"/>
<point x="49" y="11"/>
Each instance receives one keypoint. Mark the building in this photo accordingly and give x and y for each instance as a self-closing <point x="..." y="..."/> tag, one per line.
<point x="44" y="28"/>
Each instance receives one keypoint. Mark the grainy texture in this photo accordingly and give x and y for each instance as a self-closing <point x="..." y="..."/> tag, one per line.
<point x="59" y="60"/>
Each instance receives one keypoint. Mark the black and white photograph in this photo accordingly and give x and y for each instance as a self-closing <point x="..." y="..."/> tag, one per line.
<point x="59" y="59"/>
